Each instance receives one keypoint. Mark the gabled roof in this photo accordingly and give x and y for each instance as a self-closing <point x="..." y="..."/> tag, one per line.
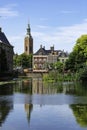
<point x="41" y="51"/>
<point x="3" y="38"/>
<point x="63" y="54"/>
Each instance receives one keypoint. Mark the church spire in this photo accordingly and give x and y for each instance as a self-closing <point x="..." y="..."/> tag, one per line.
<point x="28" y="41"/>
<point x="28" y="30"/>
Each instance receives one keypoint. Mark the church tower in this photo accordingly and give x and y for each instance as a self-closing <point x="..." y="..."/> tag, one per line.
<point x="28" y="42"/>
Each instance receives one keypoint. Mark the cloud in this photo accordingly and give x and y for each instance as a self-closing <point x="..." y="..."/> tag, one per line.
<point x="62" y="37"/>
<point x="17" y="42"/>
<point x="15" y="38"/>
<point x="42" y="27"/>
<point x="8" y="11"/>
<point x="67" y="12"/>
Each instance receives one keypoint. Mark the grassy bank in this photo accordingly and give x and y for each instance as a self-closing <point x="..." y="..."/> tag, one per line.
<point x="55" y="76"/>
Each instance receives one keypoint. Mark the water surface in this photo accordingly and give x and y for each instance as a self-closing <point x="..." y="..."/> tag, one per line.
<point x="33" y="105"/>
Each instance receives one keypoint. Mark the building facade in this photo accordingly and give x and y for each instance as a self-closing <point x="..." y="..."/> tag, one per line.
<point x="63" y="56"/>
<point x="28" y="42"/>
<point x="43" y="58"/>
<point x="6" y="54"/>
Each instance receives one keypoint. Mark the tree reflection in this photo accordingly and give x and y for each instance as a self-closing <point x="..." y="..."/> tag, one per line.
<point x="80" y="112"/>
<point x="37" y="86"/>
<point x="23" y="86"/>
<point x="77" y="89"/>
<point x="6" y="89"/>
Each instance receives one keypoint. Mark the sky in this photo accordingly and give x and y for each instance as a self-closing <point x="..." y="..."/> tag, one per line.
<point x="53" y="22"/>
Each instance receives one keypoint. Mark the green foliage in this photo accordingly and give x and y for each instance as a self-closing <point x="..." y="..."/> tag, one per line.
<point x="23" y="60"/>
<point x="55" y="76"/>
<point x="83" y="74"/>
<point x="80" y="112"/>
<point x="78" y="57"/>
<point x="70" y="63"/>
<point x="58" y="66"/>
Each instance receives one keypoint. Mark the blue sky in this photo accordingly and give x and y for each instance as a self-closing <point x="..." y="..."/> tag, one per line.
<point x="53" y="22"/>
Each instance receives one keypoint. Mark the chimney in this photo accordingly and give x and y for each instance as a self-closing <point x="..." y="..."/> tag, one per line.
<point x="52" y="48"/>
<point x="40" y="46"/>
<point x="44" y="47"/>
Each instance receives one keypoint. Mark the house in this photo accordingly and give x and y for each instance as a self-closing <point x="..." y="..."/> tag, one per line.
<point x="63" y="56"/>
<point x="43" y="58"/>
<point x="6" y="54"/>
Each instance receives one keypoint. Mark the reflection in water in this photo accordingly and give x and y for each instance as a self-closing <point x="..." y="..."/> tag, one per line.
<point x="50" y="96"/>
<point x="28" y="109"/>
<point x="78" y="89"/>
<point x="23" y="86"/>
<point x="6" y="104"/>
<point x="6" y="89"/>
<point x="80" y="113"/>
<point x="37" y="86"/>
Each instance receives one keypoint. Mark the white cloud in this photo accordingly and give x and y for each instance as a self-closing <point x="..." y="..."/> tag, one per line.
<point x="17" y="42"/>
<point x="15" y="38"/>
<point x="42" y="27"/>
<point x="8" y="11"/>
<point x="62" y="37"/>
<point x="67" y="12"/>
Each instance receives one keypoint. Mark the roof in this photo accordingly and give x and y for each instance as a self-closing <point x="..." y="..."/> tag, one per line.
<point x="3" y="38"/>
<point x="63" y="54"/>
<point x="41" y="51"/>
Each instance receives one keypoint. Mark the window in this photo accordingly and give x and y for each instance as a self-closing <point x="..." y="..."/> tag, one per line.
<point x="62" y="60"/>
<point x="26" y="48"/>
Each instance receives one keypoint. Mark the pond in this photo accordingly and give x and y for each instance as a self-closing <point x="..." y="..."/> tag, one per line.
<point x="31" y="104"/>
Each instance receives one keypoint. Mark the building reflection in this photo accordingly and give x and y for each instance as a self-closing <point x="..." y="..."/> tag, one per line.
<point x="29" y="87"/>
<point x="6" y="101"/>
<point x="80" y="113"/>
<point x="39" y="87"/>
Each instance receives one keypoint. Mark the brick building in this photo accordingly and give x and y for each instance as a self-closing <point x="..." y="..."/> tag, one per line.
<point x="6" y="54"/>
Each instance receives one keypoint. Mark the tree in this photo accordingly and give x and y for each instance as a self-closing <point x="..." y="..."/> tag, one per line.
<point x="78" y="57"/>
<point x="58" y="66"/>
<point x="23" y="60"/>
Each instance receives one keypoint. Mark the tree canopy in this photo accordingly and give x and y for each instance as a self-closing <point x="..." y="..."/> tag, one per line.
<point x="78" y="57"/>
<point x="23" y="60"/>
